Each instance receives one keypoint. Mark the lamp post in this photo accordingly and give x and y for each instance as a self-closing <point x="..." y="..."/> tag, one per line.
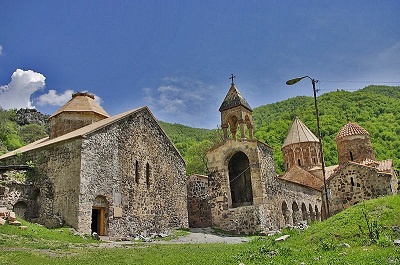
<point x="313" y="82"/>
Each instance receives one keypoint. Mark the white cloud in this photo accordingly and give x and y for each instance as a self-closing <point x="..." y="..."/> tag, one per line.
<point x="1" y="50"/>
<point x="17" y="94"/>
<point x="185" y="101"/>
<point x="54" y="99"/>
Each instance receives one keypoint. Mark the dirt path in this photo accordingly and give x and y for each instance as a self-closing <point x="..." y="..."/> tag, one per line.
<point x="196" y="236"/>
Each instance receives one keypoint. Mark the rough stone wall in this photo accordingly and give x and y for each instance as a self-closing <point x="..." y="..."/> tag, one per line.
<point x="70" y="121"/>
<point x="291" y="203"/>
<point x="149" y="199"/>
<point x="307" y="153"/>
<point x="354" y="183"/>
<point x="57" y="177"/>
<point x="360" y="147"/>
<point x="244" y="219"/>
<point x="23" y="193"/>
<point x="198" y="202"/>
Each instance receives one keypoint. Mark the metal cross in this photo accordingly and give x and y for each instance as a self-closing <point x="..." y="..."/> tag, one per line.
<point x="232" y="77"/>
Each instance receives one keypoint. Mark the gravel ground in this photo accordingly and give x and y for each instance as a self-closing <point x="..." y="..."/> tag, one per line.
<point x="207" y="235"/>
<point x="196" y="236"/>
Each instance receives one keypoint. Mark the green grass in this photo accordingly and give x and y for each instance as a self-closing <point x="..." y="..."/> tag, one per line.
<point x="322" y="243"/>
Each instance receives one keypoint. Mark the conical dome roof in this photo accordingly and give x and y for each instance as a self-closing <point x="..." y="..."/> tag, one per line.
<point x="351" y="129"/>
<point x="234" y="99"/>
<point x="299" y="133"/>
<point x="82" y="102"/>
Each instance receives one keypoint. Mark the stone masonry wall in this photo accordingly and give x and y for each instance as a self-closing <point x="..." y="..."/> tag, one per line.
<point x="56" y="177"/>
<point x="198" y="201"/>
<point x="293" y="203"/>
<point x="136" y="168"/>
<point x="19" y="193"/>
<point x="245" y="219"/>
<point x="354" y="183"/>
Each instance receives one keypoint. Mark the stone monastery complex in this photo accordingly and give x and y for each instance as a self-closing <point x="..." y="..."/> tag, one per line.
<point x="121" y="176"/>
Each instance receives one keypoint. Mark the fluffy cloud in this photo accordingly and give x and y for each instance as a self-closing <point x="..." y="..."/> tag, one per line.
<point x="54" y="99"/>
<point x="1" y="50"/>
<point x="17" y="94"/>
<point x="185" y="101"/>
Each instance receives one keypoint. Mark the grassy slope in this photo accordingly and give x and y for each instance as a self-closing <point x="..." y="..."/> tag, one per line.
<point x="320" y="244"/>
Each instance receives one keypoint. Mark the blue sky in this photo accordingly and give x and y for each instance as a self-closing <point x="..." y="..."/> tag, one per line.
<point x="177" y="56"/>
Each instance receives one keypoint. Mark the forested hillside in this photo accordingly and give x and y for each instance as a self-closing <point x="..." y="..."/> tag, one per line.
<point x="376" y="108"/>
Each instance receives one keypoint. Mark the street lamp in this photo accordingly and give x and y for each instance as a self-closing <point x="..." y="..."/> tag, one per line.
<point x="313" y="82"/>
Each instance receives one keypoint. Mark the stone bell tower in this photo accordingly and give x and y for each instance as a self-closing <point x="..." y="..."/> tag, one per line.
<point x="236" y="112"/>
<point x="239" y="170"/>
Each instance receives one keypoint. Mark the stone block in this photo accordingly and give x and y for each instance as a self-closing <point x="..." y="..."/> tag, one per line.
<point x="16" y="223"/>
<point x="2" y="221"/>
<point x="117" y="212"/>
<point x="282" y="238"/>
<point x="220" y="199"/>
<point x="23" y="227"/>
<point x="12" y="217"/>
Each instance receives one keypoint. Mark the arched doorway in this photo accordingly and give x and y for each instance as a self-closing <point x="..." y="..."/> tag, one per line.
<point x="305" y="214"/>
<point x="99" y="216"/>
<point x="240" y="180"/>
<point x="20" y="209"/>
<point x="286" y="214"/>
<point x="296" y="213"/>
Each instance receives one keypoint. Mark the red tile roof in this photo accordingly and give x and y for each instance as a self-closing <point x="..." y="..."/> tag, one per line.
<point x="351" y="129"/>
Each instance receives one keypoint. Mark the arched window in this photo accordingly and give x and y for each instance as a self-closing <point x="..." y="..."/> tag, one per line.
<point x="137" y="172"/>
<point x="351" y="156"/>
<point x="240" y="180"/>
<point x="352" y="181"/>
<point x="147" y="175"/>
<point x="298" y="162"/>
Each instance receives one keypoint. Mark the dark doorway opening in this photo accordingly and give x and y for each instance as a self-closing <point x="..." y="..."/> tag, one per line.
<point x="240" y="180"/>
<point x="98" y="221"/>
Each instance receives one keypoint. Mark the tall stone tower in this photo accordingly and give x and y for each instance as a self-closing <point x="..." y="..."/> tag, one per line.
<point x="239" y="170"/>
<point x="236" y="112"/>
<point x="301" y="148"/>
<point x="354" y="144"/>
<point x="80" y="111"/>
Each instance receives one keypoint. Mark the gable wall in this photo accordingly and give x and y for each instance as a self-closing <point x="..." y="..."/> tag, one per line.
<point x="56" y="175"/>
<point x="109" y="170"/>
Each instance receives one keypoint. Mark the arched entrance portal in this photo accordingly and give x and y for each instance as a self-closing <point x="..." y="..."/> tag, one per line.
<point x="99" y="216"/>
<point x="240" y="180"/>
<point x="20" y="209"/>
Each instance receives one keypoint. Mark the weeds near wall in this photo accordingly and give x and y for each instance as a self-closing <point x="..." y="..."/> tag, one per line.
<point x="373" y="227"/>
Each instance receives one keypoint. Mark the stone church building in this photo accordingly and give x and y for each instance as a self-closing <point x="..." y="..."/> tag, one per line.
<point x="359" y="176"/>
<point x="119" y="176"/>
<point x="243" y="193"/>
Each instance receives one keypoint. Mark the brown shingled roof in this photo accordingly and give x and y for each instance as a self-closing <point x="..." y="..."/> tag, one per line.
<point x="82" y="102"/>
<point x="299" y="133"/>
<point x="233" y="99"/>
<point x="351" y="129"/>
<point x="302" y="177"/>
